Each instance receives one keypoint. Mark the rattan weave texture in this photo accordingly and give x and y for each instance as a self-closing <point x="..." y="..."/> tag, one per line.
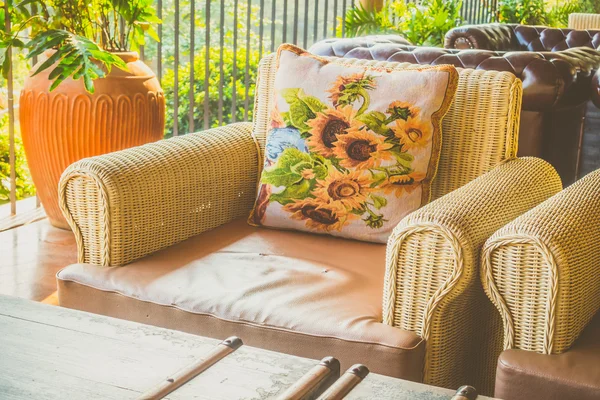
<point x="128" y="204"/>
<point x="584" y="21"/>
<point x="541" y="271"/>
<point x="432" y="274"/>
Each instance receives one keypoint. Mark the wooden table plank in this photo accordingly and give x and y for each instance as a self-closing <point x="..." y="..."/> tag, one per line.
<point x="49" y="352"/>
<point x="394" y="389"/>
<point x="70" y="354"/>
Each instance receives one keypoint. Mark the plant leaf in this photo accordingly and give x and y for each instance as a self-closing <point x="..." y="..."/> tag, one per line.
<point x="378" y="201"/>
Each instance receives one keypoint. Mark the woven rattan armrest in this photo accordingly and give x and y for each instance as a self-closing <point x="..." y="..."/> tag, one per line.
<point x="542" y="270"/>
<point x="128" y="204"/>
<point x="432" y="274"/>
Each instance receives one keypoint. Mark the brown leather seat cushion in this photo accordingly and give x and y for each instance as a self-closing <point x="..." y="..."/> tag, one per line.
<point x="302" y="294"/>
<point x="574" y="374"/>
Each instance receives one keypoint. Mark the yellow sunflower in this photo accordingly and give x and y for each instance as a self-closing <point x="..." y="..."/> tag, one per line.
<point x="276" y="120"/>
<point x="319" y="215"/>
<point x="350" y="190"/>
<point x="396" y="107"/>
<point x="361" y="149"/>
<point x="400" y="184"/>
<point x="413" y="133"/>
<point x="337" y="88"/>
<point x="328" y="126"/>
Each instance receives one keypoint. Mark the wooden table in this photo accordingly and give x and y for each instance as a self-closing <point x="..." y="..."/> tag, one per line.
<point x="49" y="352"/>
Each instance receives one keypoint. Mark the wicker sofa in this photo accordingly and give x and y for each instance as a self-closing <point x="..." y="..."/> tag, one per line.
<point x="541" y="271"/>
<point x="553" y="96"/>
<point x="173" y="215"/>
<point x="584" y="21"/>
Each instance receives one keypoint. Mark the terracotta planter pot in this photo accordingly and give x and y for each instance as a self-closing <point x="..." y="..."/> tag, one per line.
<point x="68" y="124"/>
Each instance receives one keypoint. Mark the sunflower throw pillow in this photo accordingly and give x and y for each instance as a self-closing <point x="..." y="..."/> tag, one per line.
<point x="351" y="150"/>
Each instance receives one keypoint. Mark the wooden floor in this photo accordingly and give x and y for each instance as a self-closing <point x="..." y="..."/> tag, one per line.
<point x="30" y="256"/>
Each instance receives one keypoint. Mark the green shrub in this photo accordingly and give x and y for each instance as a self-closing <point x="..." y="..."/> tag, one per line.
<point x="214" y="84"/>
<point x="526" y="12"/>
<point x="537" y="12"/>
<point x="425" y="23"/>
<point x="25" y="186"/>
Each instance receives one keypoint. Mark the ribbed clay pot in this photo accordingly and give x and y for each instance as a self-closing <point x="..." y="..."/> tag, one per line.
<point x="63" y="126"/>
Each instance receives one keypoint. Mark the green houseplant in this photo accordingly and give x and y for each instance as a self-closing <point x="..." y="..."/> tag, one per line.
<point x="75" y="103"/>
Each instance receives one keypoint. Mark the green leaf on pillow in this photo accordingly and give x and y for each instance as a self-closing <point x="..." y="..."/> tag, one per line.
<point x="299" y="114"/>
<point x="292" y="193"/>
<point x="286" y="118"/>
<point x="378" y="178"/>
<point x="313" y="103"/>
<point x="321" y="166"/>
<point x="302" y="108"/>
<point x="375" y="121"/>
<point x="287" y="171"/>
<point x="290" y="95"/>
<point x="378" y="201"/>
<point x="281" y="177"/>
<point x="404" y="159"/>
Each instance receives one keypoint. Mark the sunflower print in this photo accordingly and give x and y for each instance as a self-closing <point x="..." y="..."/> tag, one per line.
<point x="343" y="90"/>
<point x="402" y="184"/>
<point x="413" y="133"/>
<point x="328" y="126"/>
<point x="319" y="215"/>
<point x="350" y="189"/>
<point x="337" y="160"/>
<point x="361" y="149"/>
<point x="402" y="110"/>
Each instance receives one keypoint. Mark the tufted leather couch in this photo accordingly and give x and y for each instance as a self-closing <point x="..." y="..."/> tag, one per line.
<point x="553" y="94"/>
<point x="515" y="37"/>
<point x="596" y="89"/>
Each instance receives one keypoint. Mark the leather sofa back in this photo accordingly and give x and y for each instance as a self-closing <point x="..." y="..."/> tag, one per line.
<point x="545" y="81"/>
<point x="596" y="89"/>
<point x="515" y="37"/>
<point x="541" y="38"/>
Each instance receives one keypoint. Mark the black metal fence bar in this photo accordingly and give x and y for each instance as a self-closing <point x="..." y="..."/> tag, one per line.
<point x="221" y="66"/>
<point x="207" y="66"/>
<point x="261" y="29"/>
<point x="234" y="70"/>
<point x="247" y="70"/>
<point x="11" y="118"/>
<point x="176" y="72"/>
<point x="159" y="14"/>
<point x="192" y="78"/>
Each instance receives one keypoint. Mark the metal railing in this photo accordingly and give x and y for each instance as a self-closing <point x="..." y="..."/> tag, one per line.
<point x="249" y="29"/>
<point x="479" y="11"/>
<point x="212" y="48"/>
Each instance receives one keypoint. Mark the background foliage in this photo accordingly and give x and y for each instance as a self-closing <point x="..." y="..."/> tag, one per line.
<point x="25" y="186"/>
<point x="213" y="87"/>
<point x="425" y="23"/>
<point x="244" y="33"/>
<point x="540" y="12"/>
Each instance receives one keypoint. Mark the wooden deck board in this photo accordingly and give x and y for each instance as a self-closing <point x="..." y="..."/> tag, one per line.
<point x="30" y="256"/>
